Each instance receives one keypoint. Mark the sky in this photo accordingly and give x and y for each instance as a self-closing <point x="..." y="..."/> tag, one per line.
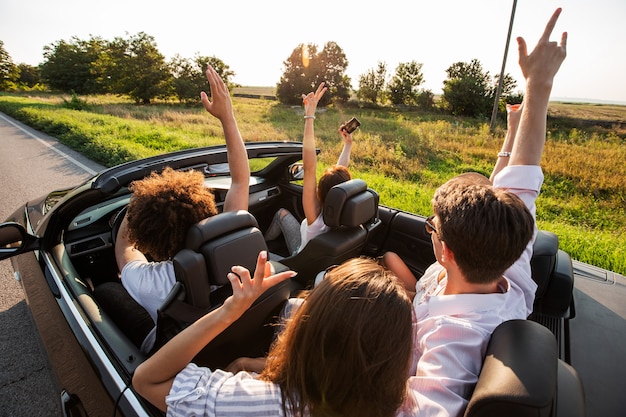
<point x="255" y="37"/>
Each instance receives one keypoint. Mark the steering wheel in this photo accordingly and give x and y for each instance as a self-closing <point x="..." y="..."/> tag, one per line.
<point x="117" y="222"/>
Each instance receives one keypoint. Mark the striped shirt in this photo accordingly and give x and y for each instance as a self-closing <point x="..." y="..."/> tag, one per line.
<point x="200" y="391"/>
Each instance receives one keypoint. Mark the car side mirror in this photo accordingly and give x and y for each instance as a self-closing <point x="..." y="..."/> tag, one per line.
<point x="296" y="171"/>
<point x="15" y="240"/>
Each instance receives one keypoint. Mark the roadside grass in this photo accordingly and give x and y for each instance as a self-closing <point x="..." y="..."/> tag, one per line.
<point x="404" y="155"/>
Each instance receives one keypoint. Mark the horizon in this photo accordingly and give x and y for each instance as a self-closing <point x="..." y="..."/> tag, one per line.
<point x="565" y="100"/>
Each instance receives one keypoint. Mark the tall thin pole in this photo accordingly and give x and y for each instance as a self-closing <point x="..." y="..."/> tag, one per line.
<point x="496" y="101"/>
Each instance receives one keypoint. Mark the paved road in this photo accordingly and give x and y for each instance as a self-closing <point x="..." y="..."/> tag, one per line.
<point x="31" y="164"/>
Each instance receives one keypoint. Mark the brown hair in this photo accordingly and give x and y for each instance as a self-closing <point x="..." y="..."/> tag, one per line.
<point x="163" y="207"/>
<point x="347" y="349"/>
<point x="333" y="175"/>
<point x="486" y="228"/>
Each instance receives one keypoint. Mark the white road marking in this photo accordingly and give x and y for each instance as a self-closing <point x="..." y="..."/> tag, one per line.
<point x="45" y="143"/>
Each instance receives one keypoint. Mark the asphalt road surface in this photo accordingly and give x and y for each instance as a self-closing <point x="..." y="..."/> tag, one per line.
<point x="31" y="165"/>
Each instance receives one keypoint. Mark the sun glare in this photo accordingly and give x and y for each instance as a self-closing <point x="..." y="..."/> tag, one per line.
<point x="305" y="56"/>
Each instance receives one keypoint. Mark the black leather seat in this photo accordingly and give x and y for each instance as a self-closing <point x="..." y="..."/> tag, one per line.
<point x="213" y="246"/>
<point x="351" y="210"/>
<point x="553" y="272"/>
<point x="523" y="376"/>
<point x="127" y="314"/>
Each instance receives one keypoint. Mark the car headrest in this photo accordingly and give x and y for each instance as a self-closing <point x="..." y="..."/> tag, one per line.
<point x="218" y="225"/>
<point x="213" y="246"/>
<point x="519" y="374"/>
<point x="350" y="204"/>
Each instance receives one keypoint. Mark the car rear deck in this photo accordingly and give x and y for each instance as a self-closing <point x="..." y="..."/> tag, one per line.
<point x="598" y="338"/>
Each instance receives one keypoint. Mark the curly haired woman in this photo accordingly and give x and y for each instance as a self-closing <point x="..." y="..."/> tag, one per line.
<point x="163" y="207"/>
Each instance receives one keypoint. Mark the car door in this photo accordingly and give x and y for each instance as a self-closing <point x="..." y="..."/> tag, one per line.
<point x="403" y="233"/>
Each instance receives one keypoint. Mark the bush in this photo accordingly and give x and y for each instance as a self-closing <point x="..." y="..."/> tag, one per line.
<point x="76" y="103"/>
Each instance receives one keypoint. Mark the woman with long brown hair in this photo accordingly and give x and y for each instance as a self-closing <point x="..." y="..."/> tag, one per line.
<point x="345" y="352"/>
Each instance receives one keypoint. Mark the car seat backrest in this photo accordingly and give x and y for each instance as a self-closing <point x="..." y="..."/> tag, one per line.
<point x="349" y="204"/>
<point x="351" y="210"/>
<point x="553" y="272"/>
<point x="231" y="238"/>
<point x="519" y="374"/>
<point x="522" y="376"/>
<point x="213" y="246"/>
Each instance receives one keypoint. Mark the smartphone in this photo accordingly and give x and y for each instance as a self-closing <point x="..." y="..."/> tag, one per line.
<point x="351" y="125"/>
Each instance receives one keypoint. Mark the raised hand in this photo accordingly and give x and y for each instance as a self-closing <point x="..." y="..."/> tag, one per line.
<point x="545" y="60"/>
<point x="539" y="68"/>
<point x="247" y="289"/>
<point x="221" y="105"/>
<point x="310" y="100"/>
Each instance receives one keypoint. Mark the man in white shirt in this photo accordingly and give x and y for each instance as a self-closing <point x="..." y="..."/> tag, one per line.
<point x="482" y="236"/>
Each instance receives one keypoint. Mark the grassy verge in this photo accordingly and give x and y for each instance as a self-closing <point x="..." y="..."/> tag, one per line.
<point x="404" y="155"/>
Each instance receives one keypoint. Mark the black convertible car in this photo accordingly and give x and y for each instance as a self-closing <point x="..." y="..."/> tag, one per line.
<point x="561" y="362"/>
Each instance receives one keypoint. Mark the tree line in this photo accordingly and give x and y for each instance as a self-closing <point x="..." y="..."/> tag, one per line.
<point x="133" y="66"/>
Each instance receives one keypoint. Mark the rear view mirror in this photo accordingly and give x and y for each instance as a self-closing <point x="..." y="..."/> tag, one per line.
<point x="296" y="171"/>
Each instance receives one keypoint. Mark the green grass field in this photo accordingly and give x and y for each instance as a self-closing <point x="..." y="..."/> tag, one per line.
<point x="404" y="155"/>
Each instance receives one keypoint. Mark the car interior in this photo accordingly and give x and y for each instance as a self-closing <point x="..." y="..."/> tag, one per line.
<point x="534" y="350"/>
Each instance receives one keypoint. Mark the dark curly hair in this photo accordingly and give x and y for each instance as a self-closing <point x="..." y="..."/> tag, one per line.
<point x="163" y="207"/>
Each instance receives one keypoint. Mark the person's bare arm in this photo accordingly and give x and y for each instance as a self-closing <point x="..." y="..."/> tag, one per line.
<point x="221" y="107"/>
<point x="539" y="69"/>
<point x="153" y="379"/>
<point x="310" y="203"/>
<point x="344" y="157"/>
<point x="256" y="365"/>
<point x="395" y="264"/>
<point x="513" y="115"/>
<point x="125" y="251"/>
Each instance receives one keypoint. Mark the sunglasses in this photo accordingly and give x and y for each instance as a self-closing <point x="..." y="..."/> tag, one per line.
<point x="429" y="226"/>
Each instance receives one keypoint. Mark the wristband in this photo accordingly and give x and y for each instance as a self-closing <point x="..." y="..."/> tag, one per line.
<point x="309" y="117"/>
<point x="504" y="154"/>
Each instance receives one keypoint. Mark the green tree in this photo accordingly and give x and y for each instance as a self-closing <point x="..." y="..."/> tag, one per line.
<point x="508" y="84"/>
<point x="372" y="84"/>
<point x="468" y="89"/>
<point x="189" y="76"/>
<point x="299" y="75"/>
<point x="306" y="68"/>
<point x="29" y="75"/>
<point x="70" y="66"/>
<point x="507" y="95"/>
<point x="425" y="100"/>
<point x="333" y="64"/>
<point x="404" y="85"/>
<point x="219" y="66"/>
<point x="186" y="79"/>
<point x="9" y="72"/>
<point x="137" y="68"/>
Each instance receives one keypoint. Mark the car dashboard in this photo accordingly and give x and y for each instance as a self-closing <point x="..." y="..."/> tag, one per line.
<point x="88" y="238"/>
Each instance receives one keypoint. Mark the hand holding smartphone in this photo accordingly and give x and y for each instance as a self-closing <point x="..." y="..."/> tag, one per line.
<point x="351" y="125"/>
